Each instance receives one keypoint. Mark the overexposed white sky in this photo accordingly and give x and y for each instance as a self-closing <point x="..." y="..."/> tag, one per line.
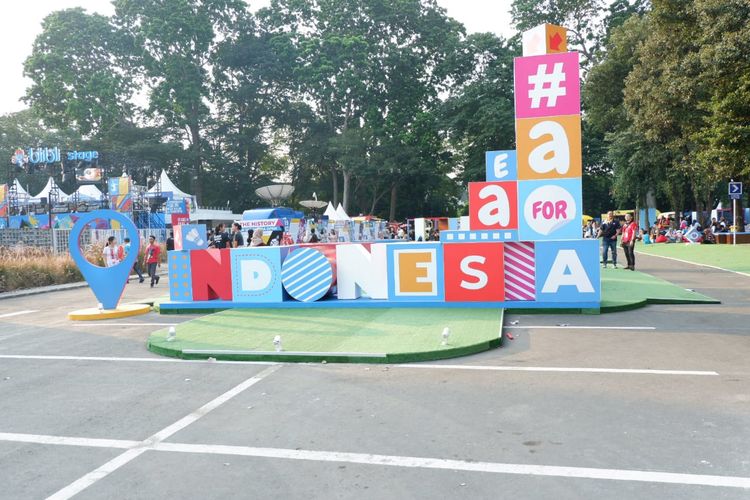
<point x="23" y="22"/>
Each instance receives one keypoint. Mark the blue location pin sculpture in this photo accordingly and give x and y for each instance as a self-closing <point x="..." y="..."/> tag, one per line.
<point x="107" y="283"/>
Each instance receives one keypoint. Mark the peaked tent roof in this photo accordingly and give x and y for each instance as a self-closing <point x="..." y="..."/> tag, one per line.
<point x="167" y="186"/>
<point x="330" y="212"/>
<point x="23" y="195"/>
<point x="44" y="193"/>
<point x="340" y="214"/>
<point x="89" y="192"/>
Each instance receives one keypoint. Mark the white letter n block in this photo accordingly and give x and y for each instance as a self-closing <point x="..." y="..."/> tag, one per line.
<point x="359" y="271"/>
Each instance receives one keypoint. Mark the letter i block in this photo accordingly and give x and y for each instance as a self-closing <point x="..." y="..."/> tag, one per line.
<point x="415" y="271"/>
<point x="474" y="272"/>
<point x="212" y="274"/>
<point x="493" y="205"/>
<point x="256" y="274"/>
<point x="180" y="276"/>
<point x="568" y="271"/>
<point x="544" y="39"/>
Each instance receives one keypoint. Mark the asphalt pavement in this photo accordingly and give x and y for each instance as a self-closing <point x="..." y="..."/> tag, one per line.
<point x="651" y="403"/>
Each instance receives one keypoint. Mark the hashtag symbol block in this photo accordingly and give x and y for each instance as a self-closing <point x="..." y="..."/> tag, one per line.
<point x="547" y="85"/>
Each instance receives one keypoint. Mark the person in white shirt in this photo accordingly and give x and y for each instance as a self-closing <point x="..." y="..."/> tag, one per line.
<point x="111" y="252"/>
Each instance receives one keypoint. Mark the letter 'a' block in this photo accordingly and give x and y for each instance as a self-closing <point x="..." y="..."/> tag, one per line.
<point x="549" y="148"/>
<point x="180" y="276"/>
<point x="493" y="205"/>
<point x="566" y="272"/>
<point x="256" y="274"/>
<point x="473" y="272"/>
<point x="544" y="39"/>
<point x="212" y="274"/>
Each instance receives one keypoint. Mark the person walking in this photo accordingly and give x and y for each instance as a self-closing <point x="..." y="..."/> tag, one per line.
<point x="111" y="252"/>
<point x="151" y="259"/>
<point x="629" y="235"/>
<point x="608" y="232"/>
<point x="136" y="264"/>
<point x="237" y="239"/>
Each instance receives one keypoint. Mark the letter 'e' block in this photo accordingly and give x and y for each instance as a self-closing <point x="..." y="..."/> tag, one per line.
<point x="415" y="271"/>
<point x="256" y="274"/>
<point x="493" y="205"/>
<point x="212" y="274"/>
<point x="474" y="272"/>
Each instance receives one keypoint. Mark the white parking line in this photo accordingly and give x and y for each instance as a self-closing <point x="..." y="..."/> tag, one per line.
<point x="92" y="477"/>
<point x="634" y="371"/>
<point x="104" y="323"/>
<point x="573" y="327"/>
<point x="694" y="263"/>
<point x="17" y="313"/>
<point x="136" y="448"/>
<point x="126" y="359"/>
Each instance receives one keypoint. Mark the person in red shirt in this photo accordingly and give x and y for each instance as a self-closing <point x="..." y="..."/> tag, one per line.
<point x="629" y="235"/>
<point x="151" y="259"/>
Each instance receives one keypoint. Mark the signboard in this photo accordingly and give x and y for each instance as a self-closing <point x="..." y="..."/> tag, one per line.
<point x="90" y="175"/>
<point x="175" y="207"/>
<point x="265" y="224"/>
<point x="735" y="190"/>
<point x="179" y="219"/>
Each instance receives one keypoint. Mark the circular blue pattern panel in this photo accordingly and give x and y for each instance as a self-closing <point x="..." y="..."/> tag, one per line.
<point x="307" y="275"/>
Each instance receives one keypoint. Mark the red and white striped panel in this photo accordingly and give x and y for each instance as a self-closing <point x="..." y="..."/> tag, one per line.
<point x="520" y="274"/>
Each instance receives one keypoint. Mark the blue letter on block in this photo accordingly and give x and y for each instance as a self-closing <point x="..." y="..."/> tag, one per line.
<point x="180" y="276"/>
<point x="256" y="274"/>
<point x="549" y="210"/>
<point x="415" y="272"/>
<point x="501" y="165"/>
<point x="568" y="271"/>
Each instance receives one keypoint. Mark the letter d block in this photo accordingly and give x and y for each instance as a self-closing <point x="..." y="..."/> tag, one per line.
<point x="474" y="272"/>
<point x="180" y="277"/>
<point x="568" y="271"/>
<point x="256" y="274"/>
<point x="493" y="205"/>
<point x="212" y="274"/>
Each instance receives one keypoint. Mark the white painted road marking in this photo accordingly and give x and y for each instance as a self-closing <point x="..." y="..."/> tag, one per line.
<point x="636" y="371"/>
<point x="136" y="448"/>
<point x="92" y="477"/>
<point x="573" y="327"/>
<point x="104" y="323"/>
<point x="126" y="359"/>
<point x="17" y="313"/>
<point x="694" y="263"/>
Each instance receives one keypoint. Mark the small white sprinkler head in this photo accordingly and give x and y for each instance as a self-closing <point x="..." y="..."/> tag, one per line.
<point x="277" y="343"/>
<point x="446" y="335"/>
<point x="171" y="334"/>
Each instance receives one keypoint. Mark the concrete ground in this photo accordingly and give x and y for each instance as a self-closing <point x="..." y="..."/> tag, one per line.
<point x="652" y="403"/>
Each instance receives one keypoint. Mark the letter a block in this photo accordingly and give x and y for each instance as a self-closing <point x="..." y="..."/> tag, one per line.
<point x="474" y="272"/>
<point x="256" y="274"/>
<point x="568" y="271"/>
<point x="212" y="274"/>
<point x="493" y="205"/>
<point x="549" y="148"/>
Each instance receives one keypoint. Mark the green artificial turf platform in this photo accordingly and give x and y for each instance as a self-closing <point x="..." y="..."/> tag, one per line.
<point x="731" y="257"/>
<point x="390" y="335"/>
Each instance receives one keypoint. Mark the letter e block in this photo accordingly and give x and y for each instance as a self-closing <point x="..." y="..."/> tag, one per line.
<point x="415" y="271"/>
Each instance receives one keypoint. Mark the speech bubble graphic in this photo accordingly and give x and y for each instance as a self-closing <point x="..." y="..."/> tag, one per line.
<point x="548" y="208"/>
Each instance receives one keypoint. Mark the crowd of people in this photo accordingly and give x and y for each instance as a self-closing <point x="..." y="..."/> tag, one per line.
<point x="113" y="254"/>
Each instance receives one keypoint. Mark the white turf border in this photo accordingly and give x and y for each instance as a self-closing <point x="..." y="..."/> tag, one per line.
<point x="137" y="448"/>
<point x="694" y="263"/>
<point x="499" y="368"/>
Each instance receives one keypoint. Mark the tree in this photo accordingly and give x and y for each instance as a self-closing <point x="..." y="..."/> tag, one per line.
<point x="76" y="71"/>
<point x="174" y="42"/>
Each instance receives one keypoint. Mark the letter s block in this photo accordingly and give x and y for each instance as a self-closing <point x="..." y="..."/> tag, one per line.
<point x="493" y="205"/>
<point x="474" y="272"/>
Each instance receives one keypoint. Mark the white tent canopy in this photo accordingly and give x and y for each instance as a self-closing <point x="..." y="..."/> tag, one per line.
<point x="340" y="214"/>
<point x="89" y="192"/>
<point x="330" y="212"/>
<point x="44" y="193"/>
<point x="167" y="186"/>
<point x="23" y="195"/>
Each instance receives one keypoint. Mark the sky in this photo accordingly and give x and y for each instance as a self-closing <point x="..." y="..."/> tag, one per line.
<point x="23" y="22"/>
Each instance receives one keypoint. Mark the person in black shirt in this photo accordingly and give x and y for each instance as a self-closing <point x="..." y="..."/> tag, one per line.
<point x="221" y="238"/>
<point x="237" y="239"/>
<point x="313" y="236"/>
<point x="170" y="241"/>
<point x="608" y="233"/>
